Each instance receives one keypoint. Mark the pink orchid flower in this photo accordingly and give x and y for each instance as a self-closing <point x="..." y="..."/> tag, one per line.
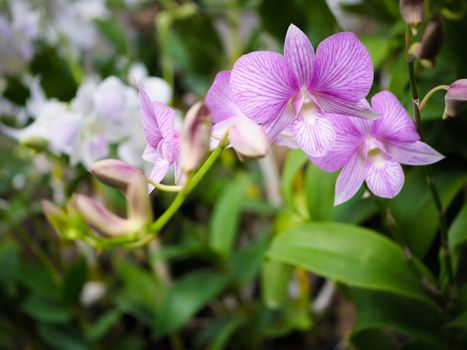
<point x="163" y="147"/>
<point x="246" y="137"/>
<point x="372" y="150"/>
<point x="301" y="89"/>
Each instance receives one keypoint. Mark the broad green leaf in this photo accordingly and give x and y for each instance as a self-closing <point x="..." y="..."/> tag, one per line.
<point x="275" y="278"/>
<point x="103" y="324"/>
<point x="246" y="262"/>
<point x="320" y="193"/>
<point x="372" y="339"/>
<point x="457" y="233"/>
<point x="46" y="310"/>
<point x="186" y="297"/>
<point x="418" y="219"/>
<point x="460" y="321"/>
<point x="226" y="216"/>
<point x="63" y="337"/>
<point x="75" y="277"/>
<point x="349" y="254"/>
<point x="218" y="333"/>
<point x="296" y="159"/>
<point x="39" y="280"/>
<point x="387" y="311"/>
<point x="378" y="46"/>
<point x="355" y="211"/>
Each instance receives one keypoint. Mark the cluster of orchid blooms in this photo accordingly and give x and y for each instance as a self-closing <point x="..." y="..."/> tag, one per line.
<point x="304" y="99"/>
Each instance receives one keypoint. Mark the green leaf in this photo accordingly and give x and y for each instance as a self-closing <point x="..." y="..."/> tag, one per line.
<point x="457" y="235"/>
<point x="296" y="159"/>
<point x="246" y="262"/>
<point x="218" y="333"/>
<point x="75" y="277"/>
<point x="355" y="211"/>
<point x="372" y="339"/>
<point x="46" y="310"/>
<point x="275" y="278"/>
<point x="63" y="337"/>
<point x="460" y="321"/>
<point x="186" y="297"/>
<point x="226" y="216"/>
<point x="418" y="219"/>
<point x="103" y="324"/>
<point x="114" y="33"/>
<point x="39" y="280"/>
<point x="320" y="193"/>
<point x="386" y="311"/>
<point x="349" y="254"/>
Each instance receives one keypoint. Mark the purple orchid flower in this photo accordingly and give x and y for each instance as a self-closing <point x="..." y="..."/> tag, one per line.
<point x="163" y="147"/>
<point x="301" y="89"/>
<point x="372" y="150"/>
<point x="246" y="137"/>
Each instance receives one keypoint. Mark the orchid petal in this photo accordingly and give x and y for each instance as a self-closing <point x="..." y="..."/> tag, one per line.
<point x="348" y="140"/>
<point x="395" y="123"/>
<point x="275" y="126"/>
<point x="337" y="106"/>
<point x="248" y="138"/>
<point x="342" y="68"/>
<point x="350" y="179"/>
<point x="413" y="153"/>
<point x="299" y="53"/>
<point x="151" y="128"/>
<point x="262" y="82"/>
<point x="160" y="169"/>
<point x="219" y="98"/>
<point x="384" y="177"/>
<point x="314" y="135"/>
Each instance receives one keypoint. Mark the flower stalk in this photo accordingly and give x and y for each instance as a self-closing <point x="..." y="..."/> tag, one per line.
<point x="416" y="105"/>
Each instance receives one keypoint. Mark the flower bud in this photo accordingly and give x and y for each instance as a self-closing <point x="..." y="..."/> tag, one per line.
<point x="248" y="139"/>
<point x="195" y="137"/>
<point x="115" y="173"/>
<point x="432" y="41"/>
<point x="138" y="202"/>
<point x="55" y="215"/>
<point x="455" y="97"/>
<point x="99" y="217"/>
<point x="412" y="12"/>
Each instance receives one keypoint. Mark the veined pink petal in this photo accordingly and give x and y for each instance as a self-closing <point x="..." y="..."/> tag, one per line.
<point x="413" y="153"/>
<point x="276" y="125"/>
<point x="299" y="53"/>
<point x="342" y="68"/>
<point x="314" y="135"/>
<point x="219" y="98"/>
<point x="262" y="83"/>
<point x="350" y="179"/>
<point x="333" y="105"/>
<point x="161" y="166"/>
<point x="148" y="120"/>
<point x="395" y="123"/>
<point x="286" y="138"/>
<point x="348" y="140"/>
<point x="384" y="177"/>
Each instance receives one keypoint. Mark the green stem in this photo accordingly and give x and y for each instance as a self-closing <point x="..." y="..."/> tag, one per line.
<point x="452" y="288"/>
<point x="424" y="274"/>
<point x="431" y="93"/>
<point x="165" y="188"/>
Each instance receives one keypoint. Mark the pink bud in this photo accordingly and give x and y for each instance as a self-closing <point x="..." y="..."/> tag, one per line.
<point x="431" y="43"/>
<point x="99" y="217"/>
<point x="455" y="97"/>
<point x="138" y="202"/>
<point x="411" y="11"/>
<point x="115" y="173"/>
<point x="195" y="137"/>
<point x="248" y="139"/>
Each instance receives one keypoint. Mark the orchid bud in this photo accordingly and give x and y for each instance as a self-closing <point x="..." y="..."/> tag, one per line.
<point x="195" y="137"/>
<point x="138" y="202"/>
<point x="55" y="215"/>
<point x="412" y="12"/>
<point x="455" y="97"/>
<point x="432" y="41"/>
<point x="248" y="139"/>
<point x="115" y="173"/>
<point x="99" y="217"/>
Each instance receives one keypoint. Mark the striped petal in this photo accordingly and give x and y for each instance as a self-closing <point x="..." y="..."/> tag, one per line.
<point x="350" y="179"/>
<point x="299" y="53"/>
